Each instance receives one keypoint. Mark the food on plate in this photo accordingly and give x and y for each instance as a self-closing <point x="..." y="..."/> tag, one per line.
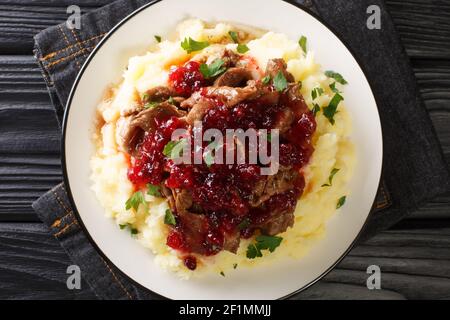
<point x="164" y="133"/>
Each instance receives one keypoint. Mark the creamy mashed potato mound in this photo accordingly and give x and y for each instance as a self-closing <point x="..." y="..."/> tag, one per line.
<point x="333" y="149"/>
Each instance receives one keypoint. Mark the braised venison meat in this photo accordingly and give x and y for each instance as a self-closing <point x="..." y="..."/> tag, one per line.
<point x="215" y="205"/>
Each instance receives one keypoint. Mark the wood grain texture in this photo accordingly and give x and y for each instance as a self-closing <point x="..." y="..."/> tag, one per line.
<point x="415" y="264"/>
<point x="414" y="257"/>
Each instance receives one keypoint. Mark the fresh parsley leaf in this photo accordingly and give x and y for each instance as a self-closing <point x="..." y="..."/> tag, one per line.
<point x="315" y="109"/>
<point x="152" y="104"/>
<point x="144" y="97"/>
<point x="330" y="178"/>
<point x="302" y="42"/>
<point x="212" y="70"/>
<point x="242" y="48"/>
<point x="336" y="76"/>
<point x="234" y="36"/>
<point x="341" y="202"/>
<point x="190" y="45"/>
<point x="268" y="242"/>
<point x="158" y="38"/>
<point x="280" y="82"/>
<point x="263" y="243"/>
<point x="269" y="137"/>
<point x="244" y="224"/>
<point x="135" y="200"/>
<point x="171" y="100"/>
<point x="173" y="149"/>
<point x="235" y="266"/>
<point x="333" y="88"/>
<point x="132" y="230"/>
<point x="331" y="109"/>
<point x="153" y="190"/>
<point x="222" y="273"/>
<point x="169" y="218"/>
<point x="266" y="80"/>
<point x="253" y="252"/>
<point x="316" y="92"/>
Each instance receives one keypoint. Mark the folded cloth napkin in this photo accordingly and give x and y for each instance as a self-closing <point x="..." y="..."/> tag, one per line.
<point x="414" y="167"/>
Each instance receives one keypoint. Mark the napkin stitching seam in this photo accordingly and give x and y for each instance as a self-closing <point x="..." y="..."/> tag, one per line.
<point x="68" y="43"/>
<point x="69" y="56"/>
<point x="54" y="53"/>
<point x="116" y="279"/>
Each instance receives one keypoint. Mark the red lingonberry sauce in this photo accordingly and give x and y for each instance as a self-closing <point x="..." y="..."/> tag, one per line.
<point x="220" y="193"/>
<point x="187" y="79"/>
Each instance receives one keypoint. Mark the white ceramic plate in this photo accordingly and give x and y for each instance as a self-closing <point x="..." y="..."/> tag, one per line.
<point x="106" y="64"/>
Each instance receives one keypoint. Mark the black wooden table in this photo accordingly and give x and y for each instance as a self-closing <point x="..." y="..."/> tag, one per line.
<point x="414" y="256"/>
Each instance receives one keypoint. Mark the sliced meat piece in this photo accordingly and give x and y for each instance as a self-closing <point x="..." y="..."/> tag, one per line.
<point x="234" y="77"/>
<point x="228" y="95"/>
<point x="136" y="125"/>
<point x="160" y="93"/>
<point x="167" y="193"/>
<point x="278" y="183"/>
<point x="199" y="110"/>
<point x="183" y="200"/>
<point x="293" y="99"/>
<point x="156" y="94"/>
<point x="229" y="58"/>
<point x="276" y="65"/>
<point x="278" y="223"/>
<point x="232" y="241"/>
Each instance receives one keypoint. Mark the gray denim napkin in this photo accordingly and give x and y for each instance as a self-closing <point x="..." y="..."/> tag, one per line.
<point x="414" y="169"/>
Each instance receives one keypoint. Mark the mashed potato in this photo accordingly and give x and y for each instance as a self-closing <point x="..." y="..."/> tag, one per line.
<point x="332" y="149"/>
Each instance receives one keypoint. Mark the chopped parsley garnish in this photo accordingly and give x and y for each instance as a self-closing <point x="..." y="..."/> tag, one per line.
<point x="212" y="70"/>
<point x="330" y="178"/>
<point x="336" y="76"/>
<point x="158" y="38"/>
<point x="152" y="104"/>
<point x="135" y="200"/>
<point x="132" y="230"/>
<point x="234" y="36"/>
<point x="242" y="48"/>
<point x="265" y="80"/>
<point x="153" y="190"/>
<point x="341" y="202"/>
<point x="235" y="266"/>
<point x="144" y="97"/>
<point x="263" y="243"/>
<point x="190" y="45"/>
<point x="269" y="137"/>
<point x="253" y="252"/>
<point x="331" y="109"/>
<point x="315" y="109"/>
<point x="316" y="92"/>
<point x="171" y="100"/>
<point x="302" y="42"/>
<point x="222" y="273"/>
<point x="169" y="218"/>
<point x="244" y="224"/>
<point x="333" y="88"/>
<point x="280" y="82"/>
<point x="173" y="149"/>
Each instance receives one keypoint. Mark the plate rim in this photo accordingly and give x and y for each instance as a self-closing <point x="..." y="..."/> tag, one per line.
<point x="67" y="114"/>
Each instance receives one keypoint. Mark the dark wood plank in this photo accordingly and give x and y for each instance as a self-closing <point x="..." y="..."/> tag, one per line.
<point x="33" y="265"/>
<point x="29" y="138"/>
<point x="22" y="19"/>
<point x="30" y="258"/>
<point x="423" y="24"/>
